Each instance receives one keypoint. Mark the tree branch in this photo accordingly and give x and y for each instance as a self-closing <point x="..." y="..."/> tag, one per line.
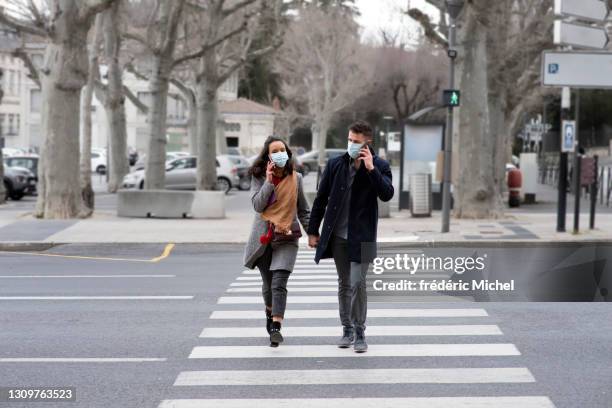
<point x="207" y="47"/>
<point x="236" y="7"/>
<point x="90" y="9"/>
<point x="425" y="22"/>
<point x="27" y="61"/>
<point x="134" y="99"/>
<point x="22" y="26"/>
<point x="249" y="57"/>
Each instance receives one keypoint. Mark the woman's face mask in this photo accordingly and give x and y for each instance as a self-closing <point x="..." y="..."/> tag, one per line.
<point x="353" y="149"/>
<point x="279" y="158"/>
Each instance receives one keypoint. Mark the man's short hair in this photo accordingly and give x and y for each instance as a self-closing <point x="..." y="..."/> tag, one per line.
<point x="361" y="127"/>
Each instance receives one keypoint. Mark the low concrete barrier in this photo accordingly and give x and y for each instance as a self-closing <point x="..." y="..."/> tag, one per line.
<point x="208" y="204"/>
<point x="170" y="204"/>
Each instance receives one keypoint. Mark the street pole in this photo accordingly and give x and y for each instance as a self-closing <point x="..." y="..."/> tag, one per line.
<point x="448" y="135"/>
<point x="562" y="181"/>
<point x="577" y="167"/>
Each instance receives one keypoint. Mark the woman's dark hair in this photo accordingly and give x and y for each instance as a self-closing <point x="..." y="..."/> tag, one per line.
<point x="258" y="169"/>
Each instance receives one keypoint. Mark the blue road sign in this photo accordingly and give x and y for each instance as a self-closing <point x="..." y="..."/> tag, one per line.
<point x="568" y="136"/>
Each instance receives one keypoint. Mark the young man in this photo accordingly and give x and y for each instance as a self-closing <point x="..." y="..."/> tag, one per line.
<point x="348" y="198"/>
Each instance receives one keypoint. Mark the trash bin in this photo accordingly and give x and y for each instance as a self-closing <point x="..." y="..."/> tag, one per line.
<point x="420" y="194"/>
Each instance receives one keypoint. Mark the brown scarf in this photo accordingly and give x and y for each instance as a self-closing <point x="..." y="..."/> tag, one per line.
<point x="281" y="212"/>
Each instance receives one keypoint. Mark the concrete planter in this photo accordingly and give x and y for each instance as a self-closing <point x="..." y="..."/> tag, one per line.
<point x="208" y="204"/>
<point x="170" y="204"/>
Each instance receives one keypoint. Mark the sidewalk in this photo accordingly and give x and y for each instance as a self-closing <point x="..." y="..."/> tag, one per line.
<point x="105" y="227"/>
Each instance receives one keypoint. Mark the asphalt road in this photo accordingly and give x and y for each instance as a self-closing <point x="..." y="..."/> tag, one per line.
<point x="179" y="337"/>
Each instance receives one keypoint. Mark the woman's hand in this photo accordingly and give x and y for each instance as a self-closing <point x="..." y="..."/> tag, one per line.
<point x="269" y="171"/>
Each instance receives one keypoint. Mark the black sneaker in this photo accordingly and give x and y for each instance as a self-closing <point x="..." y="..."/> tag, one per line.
<point x="275" y="335"/>
<point x="360" y="345"/>
<point x="348" y="335"/>
<point x="268" y="320"/>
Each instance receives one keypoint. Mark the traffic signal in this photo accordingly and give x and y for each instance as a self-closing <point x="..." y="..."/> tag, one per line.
<point x="451" y="98"/>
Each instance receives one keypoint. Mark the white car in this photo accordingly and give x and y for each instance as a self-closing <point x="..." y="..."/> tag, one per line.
<point x="98" y="161"/>
<point x="12" y="151"/>
<point x="181" y="175"/>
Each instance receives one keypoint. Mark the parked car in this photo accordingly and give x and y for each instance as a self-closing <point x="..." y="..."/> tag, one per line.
<point x="233" y="151"/>
<point x="142" y="159"/>
<point x="26" y="162"/>
<point x="132" y="156"/>
<point x="98" y="161"/>
<point x="17" y="182"/>
<point x="310" y="160"/>
<point x="242" y="164"/>
<point x="12" y="151"/>
<point x="181" y="174"/>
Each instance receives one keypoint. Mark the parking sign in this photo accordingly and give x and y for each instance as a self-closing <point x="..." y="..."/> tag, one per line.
<point x="568" y="136"/>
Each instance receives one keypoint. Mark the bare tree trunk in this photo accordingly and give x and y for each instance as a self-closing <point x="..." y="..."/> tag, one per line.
<point x="477" y="194"/>
<point x="87" y="193"/>
<point x="155" y="172"/>
<point x="207" y="128"/>
<point x="2" y="189"/>
<point x="65" y="75"/>
<point x="322" y="128"/>
<point x="115" y="101"/>
<point x="161" y="67"/>
<point x="192" y="124"/>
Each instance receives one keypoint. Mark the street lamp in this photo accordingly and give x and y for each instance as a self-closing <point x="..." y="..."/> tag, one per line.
<point x="454" y="8"/>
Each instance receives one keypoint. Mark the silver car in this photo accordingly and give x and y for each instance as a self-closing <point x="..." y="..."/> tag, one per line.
<point x="181" y="175"/>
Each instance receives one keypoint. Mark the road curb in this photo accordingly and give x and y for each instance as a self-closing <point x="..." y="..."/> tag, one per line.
<point x="43" y="246"/>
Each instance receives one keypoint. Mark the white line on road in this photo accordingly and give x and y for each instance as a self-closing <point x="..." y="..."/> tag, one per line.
<point x="407" y="298"/>
<point x="298" y="271"/>
<point x="330" y="331"/>
<point x="290" y="284"/>
<point x="96" y="297"/>
<point x="294" y="290"/>
<point x="415" y="402"/>
<point x="375" y="350"/>
<point x="361" y="376"/>
<point x="298" y="277"/>
<point x="79" y="360"/>
<point x="84" y="276"/>
<point x="333" y="313"/>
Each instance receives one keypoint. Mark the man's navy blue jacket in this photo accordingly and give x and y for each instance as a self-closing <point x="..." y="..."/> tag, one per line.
<point x="363" y="209"/>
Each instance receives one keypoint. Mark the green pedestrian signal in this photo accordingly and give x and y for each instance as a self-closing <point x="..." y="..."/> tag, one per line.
<point x="451" y="98"/>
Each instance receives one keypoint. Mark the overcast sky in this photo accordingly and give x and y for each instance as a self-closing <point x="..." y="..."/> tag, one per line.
<point x="388" y="14"/>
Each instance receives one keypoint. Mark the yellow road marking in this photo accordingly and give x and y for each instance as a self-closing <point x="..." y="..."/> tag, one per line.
<point x="164" y="255"/>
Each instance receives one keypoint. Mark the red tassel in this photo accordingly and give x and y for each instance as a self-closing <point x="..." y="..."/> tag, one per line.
<point x="266" y="238"/>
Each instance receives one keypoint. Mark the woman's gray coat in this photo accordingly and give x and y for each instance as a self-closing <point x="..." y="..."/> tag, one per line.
<point x="285" y="252"/>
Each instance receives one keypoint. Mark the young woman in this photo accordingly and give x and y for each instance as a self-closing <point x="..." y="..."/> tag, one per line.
<point x="279" y="201"/>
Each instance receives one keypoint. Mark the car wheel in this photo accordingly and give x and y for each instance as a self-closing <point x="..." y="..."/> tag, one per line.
<point x="141" y="186"/>
<point x="245" y="184"/>
<point x="17" y="195"/>
<point x="224" y="184"/>
<point x="101" y="169"/>
<point x="307" y="169"/>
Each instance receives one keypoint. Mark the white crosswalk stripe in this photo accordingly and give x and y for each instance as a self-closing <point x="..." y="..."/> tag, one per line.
<point x="368" y="376"/>
<point x="333" y="331"/>
<point x="333" y="313"/>
<point x="417" y="402"/>
<point x="380" y="350"/>
<point x="413" y="337"/>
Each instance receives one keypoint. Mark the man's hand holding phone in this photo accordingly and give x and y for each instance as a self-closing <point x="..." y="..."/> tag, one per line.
<point x="366" y="157"/>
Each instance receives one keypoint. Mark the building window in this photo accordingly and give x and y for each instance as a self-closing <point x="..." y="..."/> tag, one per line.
<point x="232" y="127"/>
<point x="232" y="141"/>
<point x="35" y="101"/>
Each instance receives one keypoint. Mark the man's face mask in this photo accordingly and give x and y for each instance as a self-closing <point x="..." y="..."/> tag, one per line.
<point x="353" y="149"/>
<point x="279" y="158"/>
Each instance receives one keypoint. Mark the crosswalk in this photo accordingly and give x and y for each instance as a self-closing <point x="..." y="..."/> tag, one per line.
<point x="453" y="349"/>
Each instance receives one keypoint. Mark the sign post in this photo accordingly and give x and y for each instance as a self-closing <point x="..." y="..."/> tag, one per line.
<point x="585" y="30"/>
